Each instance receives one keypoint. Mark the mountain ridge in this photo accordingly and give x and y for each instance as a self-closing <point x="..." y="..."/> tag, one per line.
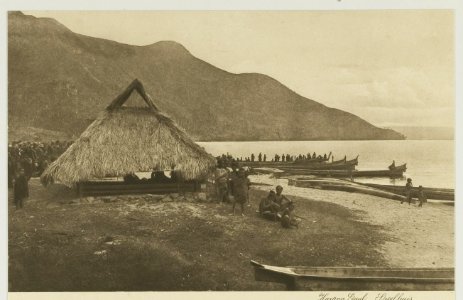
<point x="61" y="79"/>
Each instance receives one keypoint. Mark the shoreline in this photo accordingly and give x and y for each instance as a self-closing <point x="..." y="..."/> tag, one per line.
<point x="417" y="237"/>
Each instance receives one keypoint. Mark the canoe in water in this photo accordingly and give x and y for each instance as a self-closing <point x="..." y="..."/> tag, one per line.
<point x="343" y="173"/>
<point x="357" y="278"/>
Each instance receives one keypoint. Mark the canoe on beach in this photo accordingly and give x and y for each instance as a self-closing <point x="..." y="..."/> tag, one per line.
<point x="384" y="191"/>
<point x="343" y="185"/>
<point x="431" y="193"/>
<point x="357" y="278"/>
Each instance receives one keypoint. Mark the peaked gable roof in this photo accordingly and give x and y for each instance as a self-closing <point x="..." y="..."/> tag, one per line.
<point x="129" y="139"/>
<point x="122" y="98"/>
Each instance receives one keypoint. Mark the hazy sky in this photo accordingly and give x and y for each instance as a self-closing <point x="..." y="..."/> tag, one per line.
<point x="388" y="67"/>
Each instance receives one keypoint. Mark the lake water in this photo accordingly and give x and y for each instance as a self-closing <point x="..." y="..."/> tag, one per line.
<point x="429" y="163"/>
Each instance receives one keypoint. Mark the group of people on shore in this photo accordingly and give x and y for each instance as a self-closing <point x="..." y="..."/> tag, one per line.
<point x="232" y="183"/>
<point x="300" y="157"/>
<point x="28" y="159"/>
<point x="408" y="191"/>
<point x="32" y="157"/>
<point x="228" y="160"/>
<point x="232" y="186"/>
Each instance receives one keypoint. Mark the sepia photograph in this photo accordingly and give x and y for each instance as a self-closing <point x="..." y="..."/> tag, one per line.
<point x="309" y="150"/>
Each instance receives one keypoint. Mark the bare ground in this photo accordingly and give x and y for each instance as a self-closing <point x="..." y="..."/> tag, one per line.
<point x="139" y="245"/>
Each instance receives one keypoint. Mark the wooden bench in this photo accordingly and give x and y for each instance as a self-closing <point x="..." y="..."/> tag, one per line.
<point x="108" y="188"/>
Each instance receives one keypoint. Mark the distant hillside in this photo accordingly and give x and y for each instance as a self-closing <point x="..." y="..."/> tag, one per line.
<point x="426" y="133"/>
<point x="60" y="80"/>
<point x="37" y="135"/>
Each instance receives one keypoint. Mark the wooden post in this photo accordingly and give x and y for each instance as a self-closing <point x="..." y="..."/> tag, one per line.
<point x="79" y="190"/>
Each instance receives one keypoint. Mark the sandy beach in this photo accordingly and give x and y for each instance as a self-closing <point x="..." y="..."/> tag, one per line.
<point x="417" y="237"/>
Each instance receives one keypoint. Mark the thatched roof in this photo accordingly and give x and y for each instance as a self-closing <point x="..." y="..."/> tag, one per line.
<point x="129" y="139"/>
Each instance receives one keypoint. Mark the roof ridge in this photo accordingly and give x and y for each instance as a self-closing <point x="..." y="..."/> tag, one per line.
<point x="122" y="98"/>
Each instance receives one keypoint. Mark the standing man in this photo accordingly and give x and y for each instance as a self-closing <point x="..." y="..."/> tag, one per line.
<point x="259" y="157"/>
<point x="408" y="191"/>
<point x="28" y="167"/>
<point x="11" y="170"/>
<point x="20" y="189"/>
<point x="265" y="157"/>
<point x="221" y="181"/>
<point x="240" y="190"/>
<point x="421" y="196"/>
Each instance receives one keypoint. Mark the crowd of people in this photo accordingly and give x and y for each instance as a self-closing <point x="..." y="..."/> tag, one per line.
<point x="33" y="157"/>
<point x="232" y="183"/>
<point x="227" y="160"/>
<point x="29" y="159"/>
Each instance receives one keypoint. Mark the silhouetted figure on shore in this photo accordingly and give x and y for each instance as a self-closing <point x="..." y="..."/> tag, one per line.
<point x="408" y="191"/>
<point x="20" y="189"/>
<point x="28" y="167"/>
<point x="421" y="196"/>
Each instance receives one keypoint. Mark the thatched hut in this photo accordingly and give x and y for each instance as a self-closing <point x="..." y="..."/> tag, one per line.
<point x="129" y="139"/>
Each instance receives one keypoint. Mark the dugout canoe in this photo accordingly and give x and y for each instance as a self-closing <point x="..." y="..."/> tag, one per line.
<point x="393" y="166"/>
<point x="323" y="166"/>
<point x="343" y="185"/>
<point x="343" y="173"/>
<point x="398" y="168"/>
<point x="431" y="193"/>
<point x="357" y="278"/>
<point x="342" y="165"/>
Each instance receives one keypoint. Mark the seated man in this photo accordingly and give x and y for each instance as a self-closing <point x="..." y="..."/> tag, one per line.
<point x="287" y="218"/>
<point x="281" y="200"/>
<point x="131" y="178"/>
<point x="268" y="206"/>
<point x="158" y="176"/>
